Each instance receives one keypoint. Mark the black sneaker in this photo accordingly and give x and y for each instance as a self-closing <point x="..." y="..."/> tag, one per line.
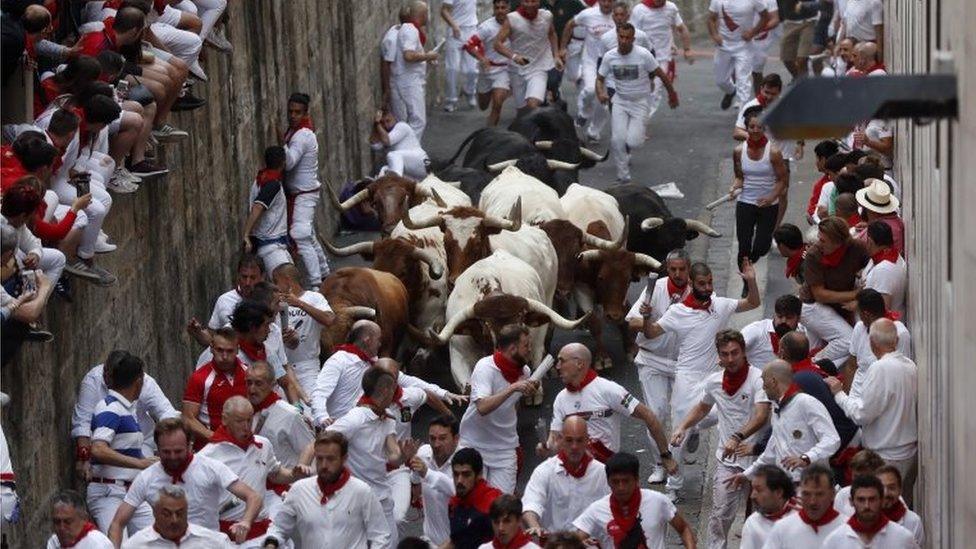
<point x="726" y="101"/>
<point x="188" y="103"/>
<point x="63" y="289"/>
<point x="147" y="168"/>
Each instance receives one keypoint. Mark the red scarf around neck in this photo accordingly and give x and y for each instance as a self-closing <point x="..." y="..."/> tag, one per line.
<point x="774" y="342"/>
<point x="761" y="99"/>
<point x="789" y="506"/>
<point x="827" y="518"/>
<point x="834" y="258"/>
<point x="580" y="469"/>
<point x="674" y="291"/>
<point x="757" y="143"/>
<point x="268" y="175"/>
<point x="398" y="396"/>
<point x="253" y="351"/>
<point x="791" y="391"/>
<point x="807" y="365"/>
<point x="510" y="370"/>
<point x="869" y="529"/>
<point x="521" y="539"/>
<point x="267" y="402"/>
<point x="85" y="530"/>
<point x="624" y="520"/>
<point x="420" y="31"/>
<point x="887" y="254"/>
<point x="650" y="4"/>
<point x="305" y="122"/>
<point x="521" y="11"/>
<point x="731" y="383"/>
<point x="794" y="261"/>
<point x="892" y="315"/>
<point x="354" y="349"/>
<point x="877" y="67"/>
<point x="329" y="489"/>
<point x="177" y="475"/>
<point x="692" y="302"/>
<point x="480" y="497"/>
<point x="897" y="512"/>
<point x="223" y="435"/>
<point x="587" y="379"/>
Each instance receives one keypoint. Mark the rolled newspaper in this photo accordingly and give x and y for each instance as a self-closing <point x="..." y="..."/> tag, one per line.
<point x="542" y="368"/>
<point x="440" y="44"/>
<point x="722" y="200"/>
<point x="649" y="289"/>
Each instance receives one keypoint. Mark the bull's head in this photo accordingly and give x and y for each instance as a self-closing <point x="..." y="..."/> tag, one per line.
<point x="569" y="150"/>
<point x="672" y="233"/>
<point x="397" y="256"/>
<point x="386" y="198"/>
<point x="337" y="332"/>
<point x="466" y="231"/>
<point x="569" y="240"/>
<point x="611" y="272"/>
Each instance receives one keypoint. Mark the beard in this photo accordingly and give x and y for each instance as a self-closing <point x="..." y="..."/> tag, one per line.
<point x="782" y="329"/>
<point x="703" y="297"/>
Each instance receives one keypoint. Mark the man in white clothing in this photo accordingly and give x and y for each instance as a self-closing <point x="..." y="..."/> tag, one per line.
<point x="534" y="50"/>
<point x="887" y="272"/>
<point x="461" y="17"/>
<point x="762" y="336"/>
<point x="595" y="21"/>
<point x="506" y="525"/>
<point x="816" y="518"/>
<point x="621" y="15"/>
<point x="308" y="313"/>
<point x="742" y="408"/>
<point x="250" y="271"/>
<point x="275" y="419"/>
<point x="869" y="527"/>
<point x="171" y="530"/>
<point x="331" y="506"/>
<point x="410" y="69"/>
<point x="870" y="308"/>
<point x="863" y="21"/>
<point x="494" y="82"/>
<point x="339" y="384"/>
<point x="772" y="499"/>
<point x="732" y="24"/>
<point x="404" y="155"/>
<point x="489" y="424"/>
<point x="886" y="409"/>
<point x="633" y="69"/>
<point x="388" y="52"/>
<point x="660" y="19"/>
<point x="432" y="465"/>
<point x="564" y="485"/>
<point x="71" y="526"/>
<point x="893" y="506"/>
<point x="265" y="230"/>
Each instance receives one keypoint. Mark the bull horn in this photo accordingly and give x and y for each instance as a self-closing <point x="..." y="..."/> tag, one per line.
<point x="499" y="166"/>
<point x="437" y="198"/>
<point x="434" y="267"/>
<point x="651" y="223"/>
<point x="591" y="155"/>
<point x="357" y="248"/>
<point x="420" y="336"/>
<point x="597" y="242"/>
<point x="701" y="228"/>
<point x="543" y="145"/>
<point x="560" y="165"/>
<point x="514" y="220"/>
<point x="647" y="261"/>
<point x="452" y="324"/>
<point x="422" y="224"/>
<point x="358" y="312"/>
<point x="350" y="202"/>
<point x="588" y="255"/>
<point x="555" y="318"/>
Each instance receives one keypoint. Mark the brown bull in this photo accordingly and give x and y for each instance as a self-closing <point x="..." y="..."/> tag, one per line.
<point x="569" y="241"/>
<point x="388" y="197"/>
<point x="357" y="287"/>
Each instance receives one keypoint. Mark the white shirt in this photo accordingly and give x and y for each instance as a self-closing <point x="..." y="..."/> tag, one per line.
<point x="661" y="352"/>
<point x="631" y="72"/>
<point x="759" y="344"/>
<point x="656" y="511"/>
<point x="892" y="536"/>
<point x="695" y="331"/>
<point x="196" y="537"/>
<point x="404" y="411"/>
<point x="367" y="434"/>
<point x="886" y="410"/>
<point x="92" y="540"/>
<point x="307" y="329"/>
<point x="756" y="528"/>
<point x="338" y="386"/>
<point x="350" y="519"/>
<point x="487" y="32"/>
<point x="594" y="23"/>
<point x="388" y="45"/>
<point x="152" y="405"/>
<point x="734" y="18"/>
<point x="659" y="24"/>
<point x="793" y="533"/>
<point x="860" y="349"/>
<point x="803" y="426"/>
<point x="205" y="481"/>
<point x="734" y="411"/>
<point x="530" y="39"/>
<point x="786" y="146"/>
<point x="860" y="17"/>
<point x="497" y="430"/>
<point x="273" y="222"/>
<point x="284" y="426"/>
<point x="224" y="309"/>
<point x="302" y="162"/>
<point x="406" y="380"/>
<point x="609" y="41"/>
<point x="252" y="466"/>
<point x="403" y="138"/>
<point x="913" y="523"/>
<point x="491" y="545"/>
<point x="557" y="497"/>
<point x="408" y="39"/>
<point x="601" y="403"/>
<point x="464" y="12"/>
<point x="436" y="489"/>
<point x="888" y="278"/>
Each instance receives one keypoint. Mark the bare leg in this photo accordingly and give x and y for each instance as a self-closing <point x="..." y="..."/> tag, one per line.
<point x="126" y="138"/>
<point x="498" y="97"/>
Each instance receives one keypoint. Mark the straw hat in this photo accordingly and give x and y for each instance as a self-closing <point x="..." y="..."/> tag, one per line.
<point x="876" y="196"/>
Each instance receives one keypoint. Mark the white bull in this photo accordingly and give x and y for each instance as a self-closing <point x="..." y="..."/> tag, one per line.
<point x="540" y="203"/>
<point x="585" y="206"/>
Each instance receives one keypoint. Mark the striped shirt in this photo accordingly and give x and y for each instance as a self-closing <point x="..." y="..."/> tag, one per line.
<point x="114" y="422"/>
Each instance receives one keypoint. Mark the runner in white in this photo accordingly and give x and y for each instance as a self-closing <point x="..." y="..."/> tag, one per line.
<point x="595" y="21"/>
<point x="432" y="466"/>
<point x="761" y="43"/>
<point x="893" y="506"/>
<point x="461" y="17"/>
<point x="388" y="51"/>
<point x="409" y="75"/>
<point x="494" y="82"/>
<point x="308" y="313"/>
<point x="762" y="336"/>
<point x="870" y="308"/>
<point x="404" y="155"/>
<point x="533" y="50"/>
<point x="621" y="14"/>
<point x="660" y="19"/>
<point x="632" y="68"/>
<point x="772" y="497"/>
<point x="506" y="525"/>
<point x="339" y="384"/>
<point x="869" y="527"/>
<point x="729" y="26"/>
<point x="815" y="520"/>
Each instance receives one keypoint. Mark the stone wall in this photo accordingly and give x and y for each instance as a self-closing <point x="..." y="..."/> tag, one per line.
<point x="178" y="236"/>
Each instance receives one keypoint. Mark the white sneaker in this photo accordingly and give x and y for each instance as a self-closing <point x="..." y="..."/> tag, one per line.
<point x="219" y="41"/>
<point x="121" y="185"/>
<point x="124" y="173"/>
<point x="657" y="475"/>
<point x="104" y="247"/>
<point x="473" y="101"/>
<point x="450" y="107"/>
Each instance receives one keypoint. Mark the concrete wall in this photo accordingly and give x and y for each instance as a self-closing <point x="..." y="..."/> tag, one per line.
<point x="178" y="236"/>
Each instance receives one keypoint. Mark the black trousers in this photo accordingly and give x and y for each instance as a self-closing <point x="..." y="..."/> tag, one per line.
<point x="754" y="227"/>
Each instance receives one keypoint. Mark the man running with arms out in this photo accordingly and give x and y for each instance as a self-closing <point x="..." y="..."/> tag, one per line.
<point x="534" y="49"/>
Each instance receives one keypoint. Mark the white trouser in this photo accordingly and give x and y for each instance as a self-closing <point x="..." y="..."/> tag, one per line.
<point x="532" y="85"/>
<point x="497" y="78"/>
<point x="96" y="210"/>
<point x="734" y="60"/>
<point x="209" y="12"/>
<point x="51" y="263"/>
<point x="409" y="163"/>
<point x="725" y="504"/>
<point x="759" y="50"/>
<point x="501" y="469"/>
<point x="657" y="94"/>
<point x="411" y="97"/>
<point x="457" y="61"/>
<point x="685" y="394"/>
<point x="824" y="322"/>
<point x="656" y="388"/>
<point x="104" y="500"/>
<point x="574" y="58"/>
<point x="273" y="255"/>
<point x="97" y="163"/>
<point x="397" y="105"/>
<point x="307" y="372"/>
<point x="387" y="504"/>
<point x="399" y="481"/>
<point x="183" y="44"/>
<point x="628" y="129"/>
<point x="586" y="104"/>
<point x="302" y="231"/>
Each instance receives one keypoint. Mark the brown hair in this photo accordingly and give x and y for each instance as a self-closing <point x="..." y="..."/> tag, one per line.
<point x="170" y="425"/>
<point x="835" y="228"/>
<point x="334" y="437"/>
<point x="729" y="336"/>
<point x="866" y="460"/>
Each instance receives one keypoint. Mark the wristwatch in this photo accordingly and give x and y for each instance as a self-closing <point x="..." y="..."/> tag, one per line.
<point x="805" y="458"/>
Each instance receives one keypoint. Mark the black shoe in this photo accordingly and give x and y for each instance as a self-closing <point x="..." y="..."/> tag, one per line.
<point x="63" y="289"/>
<point x="188" y="103"/>
<point x="726" y="101"/>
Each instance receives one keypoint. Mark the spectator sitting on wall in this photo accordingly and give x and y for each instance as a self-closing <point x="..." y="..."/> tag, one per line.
<point x="21" y="305"/>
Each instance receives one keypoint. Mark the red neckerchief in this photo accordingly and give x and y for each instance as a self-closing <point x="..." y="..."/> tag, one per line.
<point x="675" y="292"/>
<point x="85" y="530"/>
<point x="83" y="132"/>
<point x="877" y="67"/>
<point x="731" y="383"/>
<point x="398" y="396"/>
<point x="692" y="302"/>
<point x="369" y="403"/>
<point x="305" y="122"/>
<point x="897" y="512"/>
<point x="329" y="489"/>
<point x="354" y="349"/>
<point x="223" y="435"/>
<point x="853" y="220"/>
<point x="854" y="73"/>
<point x="650" y="4"/>
<point x="579" y="470"/>
<point x="790" y="505"/>
<point x="807" y="365"/>
<point x="729" y="22"/>
<point x="834" y="258"/>
<point x="870" y="530"/>
<point x="521" y="11"/>
<point x="479" y="497"/>
<point x="791" y="391"/>
<point x="827" y="517"/>
<point x="253" y="351"/>
<point x="892" y="315"/>
<point x="521" y="539"/>
<point x="268" y="175"/>
<point x="887" y="254"/>
<point x="267" y="402"/>
<point x="761" y="99"/>
<point x="510" y="370"/>
<point x="761" y="142"/>
<point x="774" y="342"/>
<point x="624" y="521"/>
<point x="794" y="261"/>
<point x="177" y="475"/>
<point x="587" y="379"/>
<point x="420" y="31"/>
